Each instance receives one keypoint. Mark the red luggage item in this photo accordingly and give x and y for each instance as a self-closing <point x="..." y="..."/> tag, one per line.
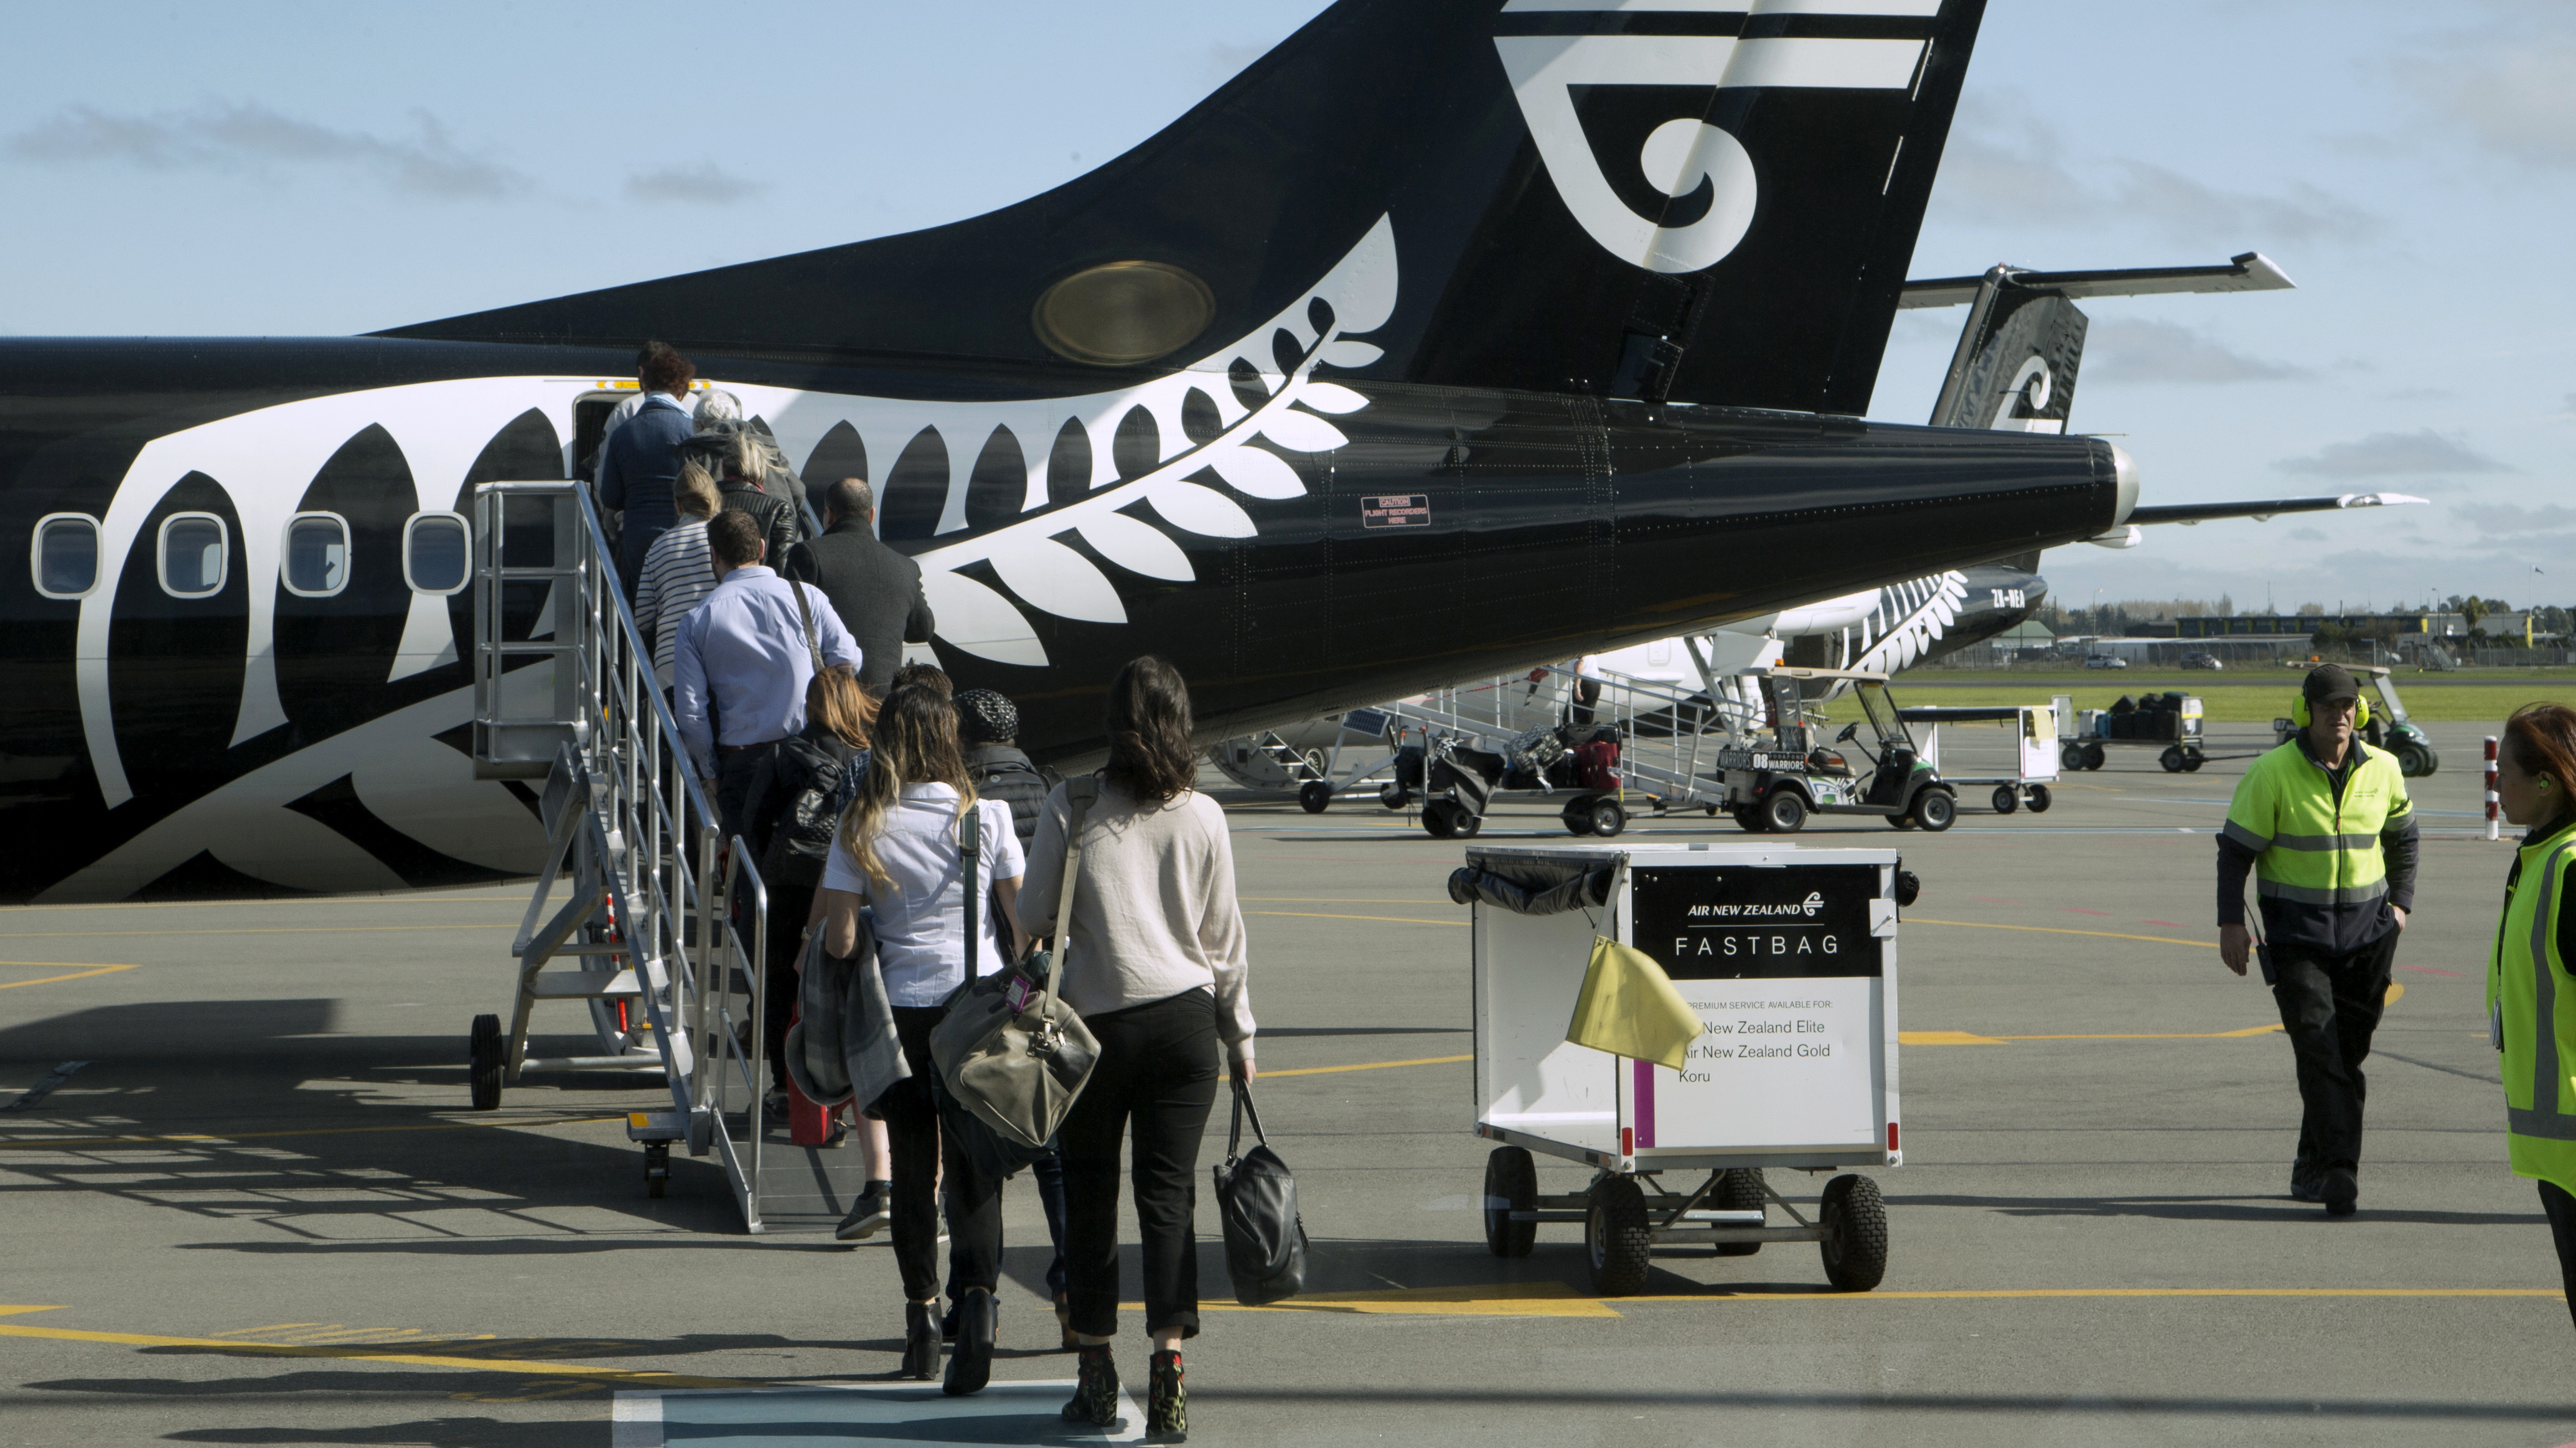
<point x="807" y="1123"/>
<point x="1596" y="765"/>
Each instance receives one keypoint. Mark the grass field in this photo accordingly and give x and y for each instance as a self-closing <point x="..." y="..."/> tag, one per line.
<point x="2231" y="698"/>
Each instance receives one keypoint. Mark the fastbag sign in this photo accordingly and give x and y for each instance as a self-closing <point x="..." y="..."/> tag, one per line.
<point x="1784" y="973"/>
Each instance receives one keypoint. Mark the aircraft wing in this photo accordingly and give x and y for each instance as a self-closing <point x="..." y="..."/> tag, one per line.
<point x="2188" y="513"/>
<point x="2250" y="272"/>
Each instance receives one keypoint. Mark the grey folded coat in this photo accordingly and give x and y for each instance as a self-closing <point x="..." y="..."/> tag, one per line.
<point x="843" y="1048"/>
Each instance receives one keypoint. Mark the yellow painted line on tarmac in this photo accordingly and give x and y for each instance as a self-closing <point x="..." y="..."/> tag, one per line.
<point x="2024" y="1293"/>
<point x="1502" y="1299"/>
<point x="250" y="930"/>
<point x="2062" y="930"/>
<point x="1366" y="1066"/>
<point x="43" y="1144"/>
<point x="1327" y="915"/>
<point x="631" y="1377"/>
<point x="82" y="974"/>
<point x="1971" y="1038"/>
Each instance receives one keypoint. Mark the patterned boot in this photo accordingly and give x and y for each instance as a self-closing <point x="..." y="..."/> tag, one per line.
<point x="1095" y="1395"/>
<point x="1167" y="1410"/>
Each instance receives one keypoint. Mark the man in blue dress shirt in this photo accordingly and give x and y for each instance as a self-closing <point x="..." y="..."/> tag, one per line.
<point x="743" y="661"/>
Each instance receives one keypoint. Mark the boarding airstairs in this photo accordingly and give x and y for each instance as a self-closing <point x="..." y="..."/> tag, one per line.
<point x="641" y="911"/>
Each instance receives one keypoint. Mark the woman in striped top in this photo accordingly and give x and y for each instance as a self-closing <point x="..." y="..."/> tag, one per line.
<point x="678" y="573"/>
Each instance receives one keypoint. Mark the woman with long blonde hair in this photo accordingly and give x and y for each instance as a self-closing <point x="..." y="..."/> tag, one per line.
<point x="900" y="850"/>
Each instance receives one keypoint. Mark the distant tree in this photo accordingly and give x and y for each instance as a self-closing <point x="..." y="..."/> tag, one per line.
<point x="2312" y="610"/>
<point x="2226" y="604"/>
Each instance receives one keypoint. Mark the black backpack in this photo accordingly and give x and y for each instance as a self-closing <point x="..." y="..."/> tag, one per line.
<point x="802" y="840"/>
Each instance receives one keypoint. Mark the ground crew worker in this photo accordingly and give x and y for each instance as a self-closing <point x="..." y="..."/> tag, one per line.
<point x="2531" y="1002"/>
<point x="2325" y="825"/>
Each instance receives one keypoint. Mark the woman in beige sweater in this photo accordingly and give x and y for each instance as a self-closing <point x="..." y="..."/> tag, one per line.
<point x="1154" y="960"/>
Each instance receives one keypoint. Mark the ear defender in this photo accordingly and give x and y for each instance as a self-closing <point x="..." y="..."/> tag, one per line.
<point x="2302" y="716"/>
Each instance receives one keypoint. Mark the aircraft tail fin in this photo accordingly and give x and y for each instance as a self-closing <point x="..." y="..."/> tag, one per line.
<point x="2017" y="359"/>
<point x="1702" y="204"/>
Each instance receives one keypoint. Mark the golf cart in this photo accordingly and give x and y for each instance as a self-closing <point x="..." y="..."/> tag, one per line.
<point x="2387" y="728"/>
<point x="1775" y="777"/>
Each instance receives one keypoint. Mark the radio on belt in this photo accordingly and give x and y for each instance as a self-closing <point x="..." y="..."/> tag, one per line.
<point x="1787" y="955"/>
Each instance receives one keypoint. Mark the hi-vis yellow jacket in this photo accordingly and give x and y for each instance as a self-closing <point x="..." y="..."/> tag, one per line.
<point x="2531" y="1005"/>
<point x="2321" y="859"/>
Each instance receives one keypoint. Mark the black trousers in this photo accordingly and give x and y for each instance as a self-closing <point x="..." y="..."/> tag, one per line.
<point x="2330" y="1005"/>
<point x="919" y="1148"/>
<point x="1157" y="1077"/>
<point x="734" y="769"/>
<point x="2562" y="1229"/>
<point x="781" y="973"/>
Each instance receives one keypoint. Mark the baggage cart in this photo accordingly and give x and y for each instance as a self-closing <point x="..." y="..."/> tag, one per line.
<point x="1789" y="958"/>
<point x="2171" y="720"/>
<point x="2035" y="756"/>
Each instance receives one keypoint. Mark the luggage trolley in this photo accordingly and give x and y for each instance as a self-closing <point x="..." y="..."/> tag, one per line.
<point x="1789" y="957"/>
<point x="2035" y="753"/>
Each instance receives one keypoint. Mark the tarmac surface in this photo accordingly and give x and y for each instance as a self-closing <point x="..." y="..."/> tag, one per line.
<point x="261" y="1214"/>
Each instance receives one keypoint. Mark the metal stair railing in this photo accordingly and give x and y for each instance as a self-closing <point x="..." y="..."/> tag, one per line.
<point x="632" y="908"/>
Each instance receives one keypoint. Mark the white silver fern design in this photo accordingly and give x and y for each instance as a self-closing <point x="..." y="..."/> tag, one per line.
<point x="1910" y="617"/>
<point x="1027" y="555"/>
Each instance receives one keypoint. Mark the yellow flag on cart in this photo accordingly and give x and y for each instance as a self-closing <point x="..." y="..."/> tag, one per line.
<point x="1629" y="1008"/>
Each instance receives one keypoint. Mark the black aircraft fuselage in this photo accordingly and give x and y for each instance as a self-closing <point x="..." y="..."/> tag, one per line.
<point x="1450" y="337"/>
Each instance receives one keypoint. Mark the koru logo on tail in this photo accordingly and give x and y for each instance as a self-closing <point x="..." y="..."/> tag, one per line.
<point x="1685" y="155"/>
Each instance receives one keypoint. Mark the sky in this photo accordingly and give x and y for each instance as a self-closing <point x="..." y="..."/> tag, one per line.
<point x="313" y="169"/>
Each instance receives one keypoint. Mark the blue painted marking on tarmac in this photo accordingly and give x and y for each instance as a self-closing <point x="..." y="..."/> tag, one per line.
<point x="883" y="1415"/>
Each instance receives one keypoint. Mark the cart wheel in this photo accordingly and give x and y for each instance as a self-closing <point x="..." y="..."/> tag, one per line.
<point x="1854" y="1217"/>
<point x="1899" y="822"/>
<point x="2070" y="756"/>
<point x="2171" y="759"/>
<point x="1314" y="796"/>
<point x="1712" y="810"/>
<point x="1617" y="1237"/>
<point x="1394" y="798"/>
<point x="1435" y="819"/>
<point x="2005" y="800"/>
<point x="1784" y="810"/>
<point x="657" y="1167"/>
<point x="1464" y="822"/>
<point x="1511" y="1185"/>
<point x="2040" y="799"/>
<point x="1740" y="1190"/>
<point x="1608" y="817"/>
<point x="1746" y="816"/>
<point x="2093" y="756"/>
<point x="1934" y="809"/>
<point x="1578" y="815"/>
<point x="2432" y="759"/>
<point x="2191" y="763"/>
<point x="486" y="1054"/>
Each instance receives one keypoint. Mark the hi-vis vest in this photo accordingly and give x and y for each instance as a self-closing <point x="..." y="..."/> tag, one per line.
<point x="2317" y="856"/>
<point x="2531" y="995"/>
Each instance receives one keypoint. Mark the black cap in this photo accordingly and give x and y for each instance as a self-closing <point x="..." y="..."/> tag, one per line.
<point x="2329" y="681"/>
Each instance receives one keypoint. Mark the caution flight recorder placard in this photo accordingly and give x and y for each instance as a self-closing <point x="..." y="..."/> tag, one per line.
<point x="1784" y="972"/>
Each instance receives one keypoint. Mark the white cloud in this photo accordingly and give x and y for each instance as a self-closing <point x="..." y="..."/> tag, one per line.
<point x="2393" y="454"/>
<point x="700" y="183"/>
<point x="252" y="137"/>
<point x="2506" y="518"/>
<point x="2119" y="350"/>
<point x="2508" y="90"/>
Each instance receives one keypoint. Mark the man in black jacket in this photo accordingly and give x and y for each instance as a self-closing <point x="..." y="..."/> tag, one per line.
<point x="875" y="590"/>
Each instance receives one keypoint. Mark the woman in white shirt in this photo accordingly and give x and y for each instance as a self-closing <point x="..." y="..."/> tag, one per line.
<point x="1155" y="962"/>
<point x="899" y="852"/>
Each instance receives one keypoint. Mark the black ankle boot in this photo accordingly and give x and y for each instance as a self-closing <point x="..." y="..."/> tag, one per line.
<point x="1167" y="1402"/>
<point x="1095" y="1395"/>
<point x="920" y="1341"/>
<point x="970" y="1367"/>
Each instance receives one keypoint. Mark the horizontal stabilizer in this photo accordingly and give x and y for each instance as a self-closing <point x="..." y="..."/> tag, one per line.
<point x="2187" y="513"/>
<point x="2251" y="272"/>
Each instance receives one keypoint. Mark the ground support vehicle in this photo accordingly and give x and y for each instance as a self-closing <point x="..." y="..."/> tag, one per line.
<point x="2169" y="723"/>
<point x="2035" y="757"/>
<point x="1788" y="956"/>
<point x="1776" y="777"/>
<point x="1360" y="749"/>
<point x="2387" y="728"/>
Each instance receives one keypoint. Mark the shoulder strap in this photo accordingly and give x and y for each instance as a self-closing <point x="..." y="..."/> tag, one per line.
<point x="805" y="611"/>
<point x="970" y="853"/>
<point x="1079" y="796"/>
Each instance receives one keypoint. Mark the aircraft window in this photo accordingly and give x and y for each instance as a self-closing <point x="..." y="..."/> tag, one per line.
<point x="317" y="554"/>
<point x="192" y="555"/>
<point x="434" y="552"/>
<point x="66" y="561"/>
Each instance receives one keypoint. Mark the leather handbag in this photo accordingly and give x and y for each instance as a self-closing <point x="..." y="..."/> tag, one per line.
<point x="1010" y="1054"/>
<point x="1256" y="1199"/>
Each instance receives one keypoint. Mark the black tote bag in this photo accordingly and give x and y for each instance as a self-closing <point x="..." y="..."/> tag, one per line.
<point x="1256" y="1199"/>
